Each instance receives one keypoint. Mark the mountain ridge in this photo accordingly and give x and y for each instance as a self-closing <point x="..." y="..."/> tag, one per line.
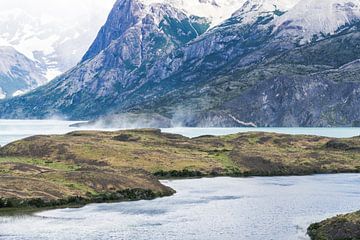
<point x="197" y="77"/>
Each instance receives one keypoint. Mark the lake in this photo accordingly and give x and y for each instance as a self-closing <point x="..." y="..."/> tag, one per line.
<point x="278" y="208"/>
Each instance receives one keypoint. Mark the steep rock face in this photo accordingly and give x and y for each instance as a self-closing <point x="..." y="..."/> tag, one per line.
<point x="257" y="68"/>
<point x="234" y="43"/>
<point x="147" y="33"/>
<point x="122" y="66"/>
<point x="127" y="13"/>
<point x="299" y="102"/>
<point x="312" y="85"/>
<point x="123" y="15"/>
<point x="18" y="74"/>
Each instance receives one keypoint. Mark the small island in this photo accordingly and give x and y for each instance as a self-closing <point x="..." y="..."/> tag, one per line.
<point x="342" y="227"/>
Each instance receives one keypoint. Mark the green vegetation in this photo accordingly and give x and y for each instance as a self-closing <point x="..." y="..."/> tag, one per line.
<point x="185" y="30"/>
<point x="342" y="227"/>
<point x="90" y="166"/>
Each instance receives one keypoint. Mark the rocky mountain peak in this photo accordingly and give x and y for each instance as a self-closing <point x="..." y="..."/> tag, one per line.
<point x="123" y="15"/>
<point x="136" y="18"/>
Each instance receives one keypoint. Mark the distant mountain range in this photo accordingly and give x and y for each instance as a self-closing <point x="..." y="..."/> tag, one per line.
<point x="18" y="73"/>
<point x="261" y="63"/>
<point x="54" y="43"/>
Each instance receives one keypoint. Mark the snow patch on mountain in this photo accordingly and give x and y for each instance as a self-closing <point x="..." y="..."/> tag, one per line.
<point x="254" y="9"/>
<point x="2" y="94"/>
<point x="54" y="34"/>
<point x="216" y="11"/>
<point x="19" y="93"/>
<point x="310" y="19"/>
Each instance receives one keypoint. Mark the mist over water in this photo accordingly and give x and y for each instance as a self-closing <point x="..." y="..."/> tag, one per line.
<point x="325" y="132"/>
<point x="11" y="130"/>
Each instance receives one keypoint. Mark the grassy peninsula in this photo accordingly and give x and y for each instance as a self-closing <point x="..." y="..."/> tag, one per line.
<point x="92" y="166"/>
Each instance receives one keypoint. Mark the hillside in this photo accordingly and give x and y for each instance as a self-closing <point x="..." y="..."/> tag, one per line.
<point x="90" y="166"/>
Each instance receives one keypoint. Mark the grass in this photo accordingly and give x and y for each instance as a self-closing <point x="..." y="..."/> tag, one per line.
<point x="342" y="227"/>
<point x="89" y="163"/>
<point x="56" y="165"/>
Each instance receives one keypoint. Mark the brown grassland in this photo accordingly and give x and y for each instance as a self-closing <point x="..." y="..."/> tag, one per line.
<point x="90" y="166"/>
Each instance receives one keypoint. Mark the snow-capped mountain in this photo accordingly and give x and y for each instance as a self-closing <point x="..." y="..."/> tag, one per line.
<point x="311" y="20"/>
<point x="135" y="36"/>
<point x="18" y="74"/>
<point x="54" y="34"/>
<point x="215" y="11"/>
<point x="251" y="10"/>
<point x="138" y="30"/>
<point x="199" y="68"/>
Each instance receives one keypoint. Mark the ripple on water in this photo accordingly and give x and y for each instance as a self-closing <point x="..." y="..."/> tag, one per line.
<point x="278" y="208"/>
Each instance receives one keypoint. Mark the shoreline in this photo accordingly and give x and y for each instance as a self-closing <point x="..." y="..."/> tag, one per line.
<point x="83" y="167"/>
<point x="8" y="213"/>
<point x="30" y="209"/>
<point x="27" y="210"/>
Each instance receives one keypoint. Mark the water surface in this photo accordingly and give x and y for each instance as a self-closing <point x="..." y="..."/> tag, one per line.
<point x="325" y="132"/>
<point x="11" y="130"/>
<point x="278" y="208"/>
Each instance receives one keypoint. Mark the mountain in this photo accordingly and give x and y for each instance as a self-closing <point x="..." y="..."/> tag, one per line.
<point x="147" y="32"/>
<point x="315" y="20"/>
<point x="43" y="34"/>
<point x="216" y="11"/>
<point x="268" y="64"/>
<point x="18" y="74"/>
